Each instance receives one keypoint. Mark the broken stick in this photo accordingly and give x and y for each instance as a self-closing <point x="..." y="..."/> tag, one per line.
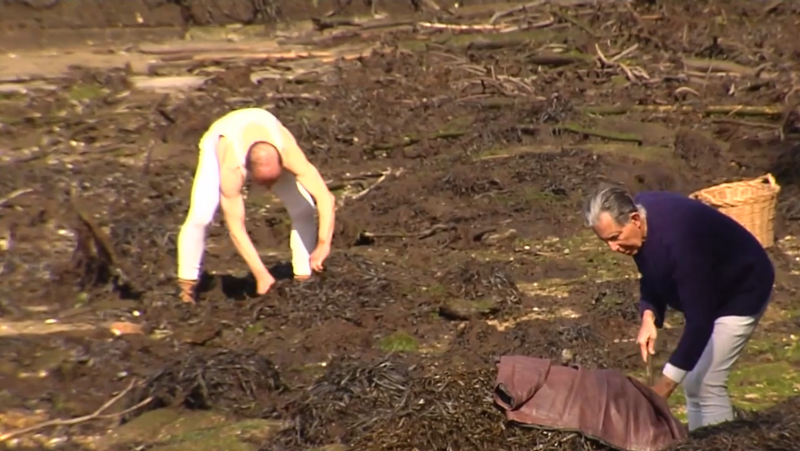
<point x="457" y="27"/>
<point x="411" y="140"/>
<point x="427" y="233"/>
<point x="732" y="110"/>
<point x="704" y="65"/>
<point x="746" y="123"/>
<point x="604" y="134"/>
<point x="96" y="415"/>
<point x="381" y="179"/>
<point x="14" y="194"/>
<point x="511" y="11"/>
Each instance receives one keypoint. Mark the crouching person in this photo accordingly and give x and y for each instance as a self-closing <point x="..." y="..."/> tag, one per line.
<point x="252" y="142"/>
<point x="701" y="263"/>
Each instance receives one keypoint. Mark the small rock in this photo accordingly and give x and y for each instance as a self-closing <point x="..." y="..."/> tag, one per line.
<point x="496" y="238"/>
<point x="464" y="310"/>
<point x="124" y="328"/>
<point x="566" y="356"/>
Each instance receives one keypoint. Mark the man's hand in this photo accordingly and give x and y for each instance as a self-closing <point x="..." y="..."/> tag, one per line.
<point x="664" y="387"/>
<point x="318" y="256"/>
<point x="264" y="282"/>
<point x="647" y="335"/>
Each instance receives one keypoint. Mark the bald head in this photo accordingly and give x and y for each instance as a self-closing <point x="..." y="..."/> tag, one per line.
<point x="264" y="163"/>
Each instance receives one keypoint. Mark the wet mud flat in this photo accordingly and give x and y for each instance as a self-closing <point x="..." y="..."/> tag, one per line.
<point x="459" y="149"/>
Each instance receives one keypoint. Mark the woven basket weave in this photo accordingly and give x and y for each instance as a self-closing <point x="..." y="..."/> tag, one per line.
<point x="751" y="203"/>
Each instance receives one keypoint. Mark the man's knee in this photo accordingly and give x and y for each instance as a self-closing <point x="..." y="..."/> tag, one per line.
<point x="302" y="212"/>
<point x="693" y="386"/>
<point x="197" y="220"/>
<point x="701" y="388"/>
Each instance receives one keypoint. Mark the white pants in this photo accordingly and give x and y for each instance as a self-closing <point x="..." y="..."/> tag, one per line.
<point x="706" y="386"/>
<point x="205" y="201"/>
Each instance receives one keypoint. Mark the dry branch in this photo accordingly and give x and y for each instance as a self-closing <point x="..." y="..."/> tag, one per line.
<point x="14" y="194"/>
<point x="633" y="74"/>
<point x="530" y="26"/>
<point x="177" y="83"/>
<point x="411" y="140"/>
<point x="685" y="89"/>
<point x="96" y="415"/>
<point x="200" y="47"/>
<point x="378" y="182"/>
<point x="746" y="123"/>
<point x="427" y="233"/>
<point x="383" y="176"/>
<point x="624" y="53"/>
<point x="704" y="65"/>
<point x="272" y="56"/>
<point x="604" y="134"/>
<point x="511" y="11"/>
<point x="733" y="110"/>
<point x="457" y="27"/>
<point x="333" y="22"/>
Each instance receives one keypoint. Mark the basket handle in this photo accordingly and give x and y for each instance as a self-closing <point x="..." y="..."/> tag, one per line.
<point x="770" y="179"/>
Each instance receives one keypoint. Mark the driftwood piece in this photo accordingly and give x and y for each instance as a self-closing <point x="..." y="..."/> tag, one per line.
<point x="98" y="414"/>
<point x="733" y="110"/>
<point x="166" y="84"/>
<point x="13" y="195"/>
<point x="427" y="233"/>
<point x="704" y="65"/>
<point x="202" y="47"/>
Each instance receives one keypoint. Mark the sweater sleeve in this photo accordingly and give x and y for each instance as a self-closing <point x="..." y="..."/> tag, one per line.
<point x="694" y="277"/>
<point x="650" y="301"/>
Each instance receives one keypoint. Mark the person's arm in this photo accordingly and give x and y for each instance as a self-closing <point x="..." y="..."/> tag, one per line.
<point x="649" y="302"/>
<point x="232" y="204"/>
<point x="307" y="175"/>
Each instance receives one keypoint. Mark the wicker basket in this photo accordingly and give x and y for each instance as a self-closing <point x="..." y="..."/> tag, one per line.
<point x="751" y="203"/>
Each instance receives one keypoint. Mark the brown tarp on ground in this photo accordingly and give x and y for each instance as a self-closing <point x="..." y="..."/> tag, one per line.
<point x="602" y="404"/>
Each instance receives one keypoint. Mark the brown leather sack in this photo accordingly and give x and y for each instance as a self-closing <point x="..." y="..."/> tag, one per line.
<point x="604" y="405"/>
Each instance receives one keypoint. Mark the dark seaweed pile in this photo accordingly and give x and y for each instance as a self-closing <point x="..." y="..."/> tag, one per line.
<point x="390" y="406"/>
<point x="240" y="382"/>
<point x="774" y="429"/>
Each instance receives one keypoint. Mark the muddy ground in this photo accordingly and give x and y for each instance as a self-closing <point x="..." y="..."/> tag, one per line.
<point x="32" y="23"/>
<point x="459" y="157"/>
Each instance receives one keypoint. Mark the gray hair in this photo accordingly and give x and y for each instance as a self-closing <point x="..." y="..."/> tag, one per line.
<point x="615" y="201"/>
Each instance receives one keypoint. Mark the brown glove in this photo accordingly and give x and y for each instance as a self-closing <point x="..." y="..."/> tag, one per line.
<point x="187" y="290"/>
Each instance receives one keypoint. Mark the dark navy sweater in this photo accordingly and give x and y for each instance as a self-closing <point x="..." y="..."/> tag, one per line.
<point x="702" y="263"/>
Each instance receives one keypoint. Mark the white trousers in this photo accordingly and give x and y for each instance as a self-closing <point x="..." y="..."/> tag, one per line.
<point x="205" y="201"/>
<point x="706" y="386"/>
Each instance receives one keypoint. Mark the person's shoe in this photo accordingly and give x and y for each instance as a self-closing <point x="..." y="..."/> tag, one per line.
<point x="187" y="290"/>
<point x="302" y="278"/>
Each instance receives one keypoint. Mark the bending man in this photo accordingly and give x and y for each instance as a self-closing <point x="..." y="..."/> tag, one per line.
<point x="701" y="263"/>
<point x="253" y="142"/>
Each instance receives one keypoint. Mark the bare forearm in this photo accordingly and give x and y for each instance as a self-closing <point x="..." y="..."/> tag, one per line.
<point x="327" y="219"/>
<point x="241" y="240"/>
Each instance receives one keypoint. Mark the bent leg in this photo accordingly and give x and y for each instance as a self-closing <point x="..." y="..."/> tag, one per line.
<point x="203" y="205"/>
<point x="706" y="387"/>
<point x="303" y="214"/>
